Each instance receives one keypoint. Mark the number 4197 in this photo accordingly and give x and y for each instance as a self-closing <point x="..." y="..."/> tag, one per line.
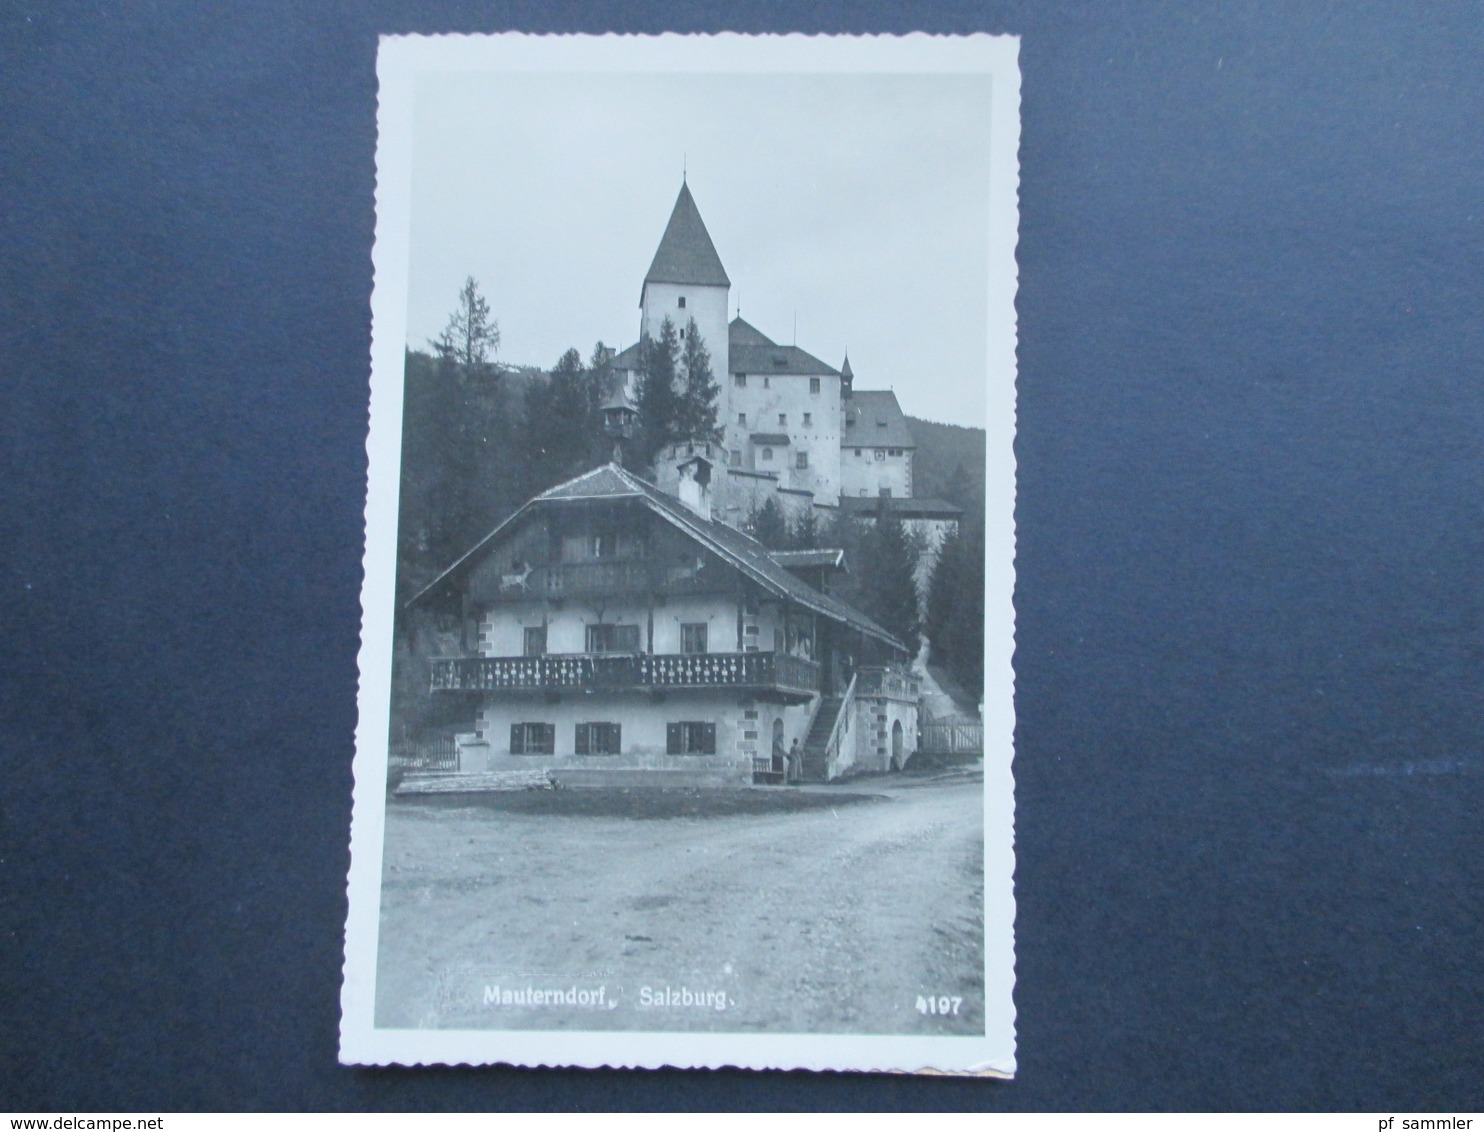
<point x="940" y="1005"/>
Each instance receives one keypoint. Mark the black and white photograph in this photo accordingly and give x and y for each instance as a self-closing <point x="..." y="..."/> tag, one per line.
<point x="686" y="711"/>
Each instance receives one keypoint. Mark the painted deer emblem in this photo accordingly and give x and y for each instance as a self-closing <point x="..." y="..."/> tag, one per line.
<point x="517" y="579"/>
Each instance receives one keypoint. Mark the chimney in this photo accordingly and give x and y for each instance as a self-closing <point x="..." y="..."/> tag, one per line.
<point x="694" y="489"/>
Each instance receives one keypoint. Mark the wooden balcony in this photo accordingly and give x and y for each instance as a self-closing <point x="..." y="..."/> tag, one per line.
<point x="767" y="674"/>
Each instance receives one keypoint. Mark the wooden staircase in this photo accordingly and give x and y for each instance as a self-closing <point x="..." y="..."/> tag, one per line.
<point x="816" y="756"/>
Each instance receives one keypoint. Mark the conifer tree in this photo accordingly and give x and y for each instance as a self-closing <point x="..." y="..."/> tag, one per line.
<point x="769" y="525"/>
<point x="696" y="418"/>
<point x="561" y="423"/>
<point x="888" y="589"/>
<point x="955" y="606"/>
<point x="659" y="403"/>
<point x="804" y="533"/>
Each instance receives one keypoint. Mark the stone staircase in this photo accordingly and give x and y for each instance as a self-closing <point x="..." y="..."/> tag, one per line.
<point x="816" y="758"/>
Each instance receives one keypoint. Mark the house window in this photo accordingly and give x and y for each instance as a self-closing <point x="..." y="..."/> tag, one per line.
<point x="765" y="381"/>
<point x="613" y="638"/>
<point x="739" y="380"/>
<point x="814" y="385"/>
<point x="690" y="738"/>
<point x="742" y="419"/>
<point x="535" y="643"/>
<point x="808" y="419"/>
<point x="777" y="640"/>
<point x="598" y="739"/>
<point x="533" y="738"/>
<point x="885" y="492"/>
<point x="857" y="451"/>
<point x="767" y="453"/>
<point x="693" y="638"/>
<point x="782" y="419"/>
<point x="881" y="453"/>
<point x="682" y="302"/>
<point x="801" y="460"/>
<point x="863" y="491"/>
<point x="893" y="451"/>
<point x="736" y="457"/>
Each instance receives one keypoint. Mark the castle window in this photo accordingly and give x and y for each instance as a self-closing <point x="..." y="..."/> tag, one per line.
<point x="783" y="418"/>
<point x="682" y="302"/>
<point x="880" y="423"/>
<point x="801" y="460"/>
<point x="690" y="738"/>
<point x="765" y="381"/>
<point x="533" y="738"/>
<point x="767" y="453"/>
<point x="736" y="457"/>
<point x="613" y="638"/>
<point x="885" y="492"/>
<point x="739" y="380"/>
<point x="893" y="451"/>
<point x="857" y="451"/>
<point x="814" y="385"/>
<point x="535" y="642"/>
<point x="693" y="638"/>
<point x="598" y="739"/>
<point x="808" y="419"/>
<point x="742" y="419"/>
<point x="682" y="334"/>
<point x="863" y="491"/>
<point x="881" y="453"/>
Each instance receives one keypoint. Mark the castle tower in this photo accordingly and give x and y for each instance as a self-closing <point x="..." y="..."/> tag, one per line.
<point x="687" y="281"/>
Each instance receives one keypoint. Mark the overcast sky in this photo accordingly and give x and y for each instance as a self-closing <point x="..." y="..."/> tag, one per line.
<point x="857" y="202"/>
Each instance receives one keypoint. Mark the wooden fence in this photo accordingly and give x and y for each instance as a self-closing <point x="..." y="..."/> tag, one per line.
<point x="952" y="737"/>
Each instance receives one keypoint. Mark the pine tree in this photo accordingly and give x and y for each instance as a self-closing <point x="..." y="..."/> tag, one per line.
<point x="804" y="533"/>
<point x="659" y="404"/>
<point x="955" y="621"/>
<point x="889" y="592"/>
<point x="471" y="338"/>
<point x="561" y="423"/>
<point x="769" y="525"/>
<point x="696" y="419"/>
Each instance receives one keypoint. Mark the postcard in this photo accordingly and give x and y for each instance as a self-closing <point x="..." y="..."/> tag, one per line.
<point x="686" y="698"/>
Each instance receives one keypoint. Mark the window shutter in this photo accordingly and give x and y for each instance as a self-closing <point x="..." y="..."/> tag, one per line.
<point x="628" y="637"/>
<point x="615" y="738"/>
<point x="517" y="739"/>
<point x="672" y="738"/>
<point x="709" y="739"/>
<point x="548" y="738"/>
<point x="583" y="746"/>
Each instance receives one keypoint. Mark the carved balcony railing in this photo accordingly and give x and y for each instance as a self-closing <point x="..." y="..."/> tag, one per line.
<point x="888" y="683"/>
<point x="755" y="671"/>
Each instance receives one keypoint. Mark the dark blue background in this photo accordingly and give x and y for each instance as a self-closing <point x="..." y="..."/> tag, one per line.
<point x="1249" y="520"/>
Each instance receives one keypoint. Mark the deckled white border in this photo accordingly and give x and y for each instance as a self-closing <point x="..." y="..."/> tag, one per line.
<point x="399" y="61"/>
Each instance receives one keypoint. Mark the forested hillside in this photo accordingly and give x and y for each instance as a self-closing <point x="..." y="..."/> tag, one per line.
<point x="949" y="463"/>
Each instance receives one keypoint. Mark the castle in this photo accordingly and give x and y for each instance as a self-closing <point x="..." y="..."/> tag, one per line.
<point x="793" y="428"/>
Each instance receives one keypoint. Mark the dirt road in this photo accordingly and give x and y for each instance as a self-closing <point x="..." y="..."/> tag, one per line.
<point x="851" y="916"/>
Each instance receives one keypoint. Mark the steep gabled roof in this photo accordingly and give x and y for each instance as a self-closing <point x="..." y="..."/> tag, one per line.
<point x="610" y="481"/>
<point x="749" y="350"/>
<point x="742" y="333"/>
<point x="873" y="419"/>
<point x="686" y="253"/>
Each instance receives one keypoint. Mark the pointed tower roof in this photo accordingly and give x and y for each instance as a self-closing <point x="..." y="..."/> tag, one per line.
<point x="686" y="253"/>
<point x="845" y="370"/>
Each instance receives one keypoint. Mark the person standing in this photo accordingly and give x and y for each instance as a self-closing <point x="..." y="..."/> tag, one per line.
<point x="795" y="764"/>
